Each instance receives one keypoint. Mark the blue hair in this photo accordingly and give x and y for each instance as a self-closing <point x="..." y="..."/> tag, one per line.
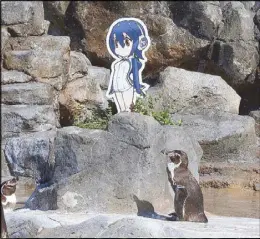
<point x="133" y="30"/>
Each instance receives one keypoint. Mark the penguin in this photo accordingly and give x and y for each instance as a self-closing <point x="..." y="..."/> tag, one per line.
<point x="8" y="197"/>
<point x="188" y="199"/>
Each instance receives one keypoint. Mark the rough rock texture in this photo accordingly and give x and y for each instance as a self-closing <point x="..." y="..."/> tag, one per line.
<point x="24" y="18"/>
<point x="31" y="155"/>
<point x="23" y="118"/>
<point x="100" y="74"/>
<point x="200" y="18"/>
<point x="192" y="92"/>
<point x="55" y="12"/>
<point x="28" y="93"/>
<point x="45" y="58"/>
<point x="25" y="223"/>
<point x="10" y="77"/>
<point x="85" y="91"/>
<point x="256" y="115"/>
<point x="78" y="65"/>
<point x="223" y="137"/>
<point x="235" y="51"/>
<point x="4" y="37"/>
<point x="130" y="151"/>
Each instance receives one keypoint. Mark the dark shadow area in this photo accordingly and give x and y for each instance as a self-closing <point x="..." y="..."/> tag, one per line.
<point x="66" y="119"/>
<point x="146" y="209"/>
<point x="250" y="98"/>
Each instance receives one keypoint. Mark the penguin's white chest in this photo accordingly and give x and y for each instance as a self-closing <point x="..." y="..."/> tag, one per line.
<point x="10" y="199"/>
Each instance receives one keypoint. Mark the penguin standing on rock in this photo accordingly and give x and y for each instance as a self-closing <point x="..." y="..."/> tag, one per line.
<point x="8" y="200"/>
<point x="188" y="200"/>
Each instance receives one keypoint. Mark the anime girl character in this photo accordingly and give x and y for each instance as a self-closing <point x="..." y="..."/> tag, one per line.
<point x="127" y="40"/>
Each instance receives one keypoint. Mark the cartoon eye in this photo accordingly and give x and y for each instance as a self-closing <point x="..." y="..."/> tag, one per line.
<point x="127" y="42"/>
<point x="116" y="43"/>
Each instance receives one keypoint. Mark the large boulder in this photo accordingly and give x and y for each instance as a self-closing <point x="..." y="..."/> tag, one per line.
<point x="180" y="90"/>
<point x="224" y="137"/>
<point x="24" y="18"/>
<point x="33" y="93"/>
<point x="126" y="161"/>
<point x="17" y="119"/>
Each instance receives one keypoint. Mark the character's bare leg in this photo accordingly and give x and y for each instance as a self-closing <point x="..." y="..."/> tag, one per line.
<point x="119" y="101"/>
<point x="128" y="99"/>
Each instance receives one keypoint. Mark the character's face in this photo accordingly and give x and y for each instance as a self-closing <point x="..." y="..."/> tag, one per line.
<point x="126" y="50"/>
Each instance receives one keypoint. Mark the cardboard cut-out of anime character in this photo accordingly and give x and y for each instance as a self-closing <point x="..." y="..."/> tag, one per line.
<point x="127" y="40"/>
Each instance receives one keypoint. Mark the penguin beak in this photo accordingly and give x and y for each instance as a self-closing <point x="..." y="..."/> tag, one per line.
<point x="165" y="152"/>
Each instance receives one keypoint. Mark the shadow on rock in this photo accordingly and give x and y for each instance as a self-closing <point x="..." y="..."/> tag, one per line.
<point x="146" y="209"/>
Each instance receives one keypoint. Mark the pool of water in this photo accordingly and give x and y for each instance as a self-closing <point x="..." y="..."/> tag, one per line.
<point x="223" y="202"/>
<point x="232" y="202"/>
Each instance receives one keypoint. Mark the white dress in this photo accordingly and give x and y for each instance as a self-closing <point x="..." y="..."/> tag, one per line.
<point x="121" y="80"/>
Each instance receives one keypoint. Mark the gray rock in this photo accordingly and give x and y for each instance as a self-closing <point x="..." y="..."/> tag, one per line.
<point x="46" y="43"/>
<point x="31" y="54"/>
<point x="93" y="225"/>
<point x="27" y="93"/>
<point x="135" y="228"/>
<point x="256" y="115"/>
<point x="24" y="18"/>
<point x="31" y="155"/>
<point x="200" y="18"/>
<point x="4" y="37"/>
<point x="37" y="63"/>
<point x="16" y="12"/>
<point x="257" y="19"/>
<point x="249" y="5"/>
<point x="44" y="196"/>
<point x="100" y="74"/>
<point x="238" y="23"/>
<point x="194" y="92"/>
<point x="57" y="224"/>
<point x="136" y="130"/>
<point x="224" y="137"/>
<point x="9" y="77"/>
<point x="238" y="59"/>
<point x="18" y="119"/>
<point x="78" y="65"/>
<point x="134" y="165"/>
